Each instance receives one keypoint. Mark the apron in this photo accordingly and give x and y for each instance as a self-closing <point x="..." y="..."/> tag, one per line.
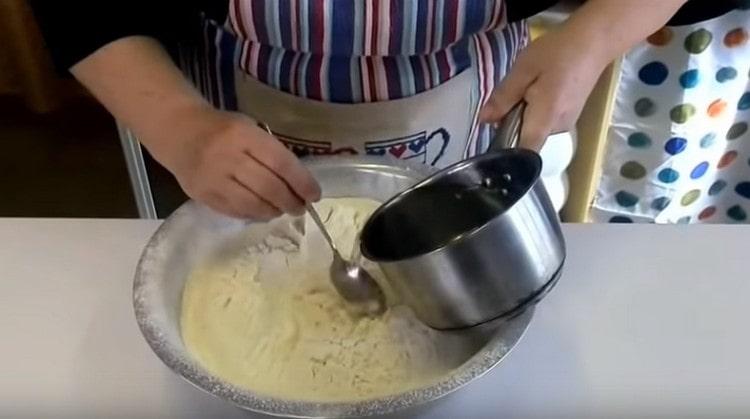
<point x="429" y="128"/>
<point x="247" y="67"/>
<point x="678" y="144"/>
<point x="259" y="61"/>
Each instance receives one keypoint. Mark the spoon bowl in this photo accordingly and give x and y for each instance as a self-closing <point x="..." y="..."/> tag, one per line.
<point x="351" y="281"/>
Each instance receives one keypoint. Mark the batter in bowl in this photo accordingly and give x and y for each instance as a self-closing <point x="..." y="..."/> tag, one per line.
<point x="269" y="320"/>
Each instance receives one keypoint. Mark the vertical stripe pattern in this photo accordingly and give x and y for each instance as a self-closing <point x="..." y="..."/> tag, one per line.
<point x="350" y="51"/>
<point x="354" y="51"/>
<point x="211" y="68"/>
<point x="492" y="54"/>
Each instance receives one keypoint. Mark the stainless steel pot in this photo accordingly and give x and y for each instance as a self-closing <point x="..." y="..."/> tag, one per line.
<point x="193" y="235"/>
<point x="477" y="241"/>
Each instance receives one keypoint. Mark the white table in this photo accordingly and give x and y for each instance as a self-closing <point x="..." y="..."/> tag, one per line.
<point x="647" y="321"/>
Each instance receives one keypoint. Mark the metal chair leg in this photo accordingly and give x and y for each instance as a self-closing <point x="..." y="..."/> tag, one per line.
<point x="139" y="180"/>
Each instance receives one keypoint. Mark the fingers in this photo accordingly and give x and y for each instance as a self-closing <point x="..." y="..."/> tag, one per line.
<point x="538" y="122"/>
<point x="259" y="180"/>
<point x="237" y="169"/>
<point x="269" y="152"/>
<point x="506" y="95"/>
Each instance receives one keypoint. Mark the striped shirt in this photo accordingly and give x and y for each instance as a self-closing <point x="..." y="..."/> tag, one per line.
<point x="354" y="51"/>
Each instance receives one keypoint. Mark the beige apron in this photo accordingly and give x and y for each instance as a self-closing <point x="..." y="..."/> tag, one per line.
<point x="432" y="127"/>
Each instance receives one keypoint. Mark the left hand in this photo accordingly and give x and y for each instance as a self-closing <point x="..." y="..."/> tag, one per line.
<point x="554" y="75"/>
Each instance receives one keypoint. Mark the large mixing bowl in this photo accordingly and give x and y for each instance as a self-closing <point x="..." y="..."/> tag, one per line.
<point x="192" y="234"/>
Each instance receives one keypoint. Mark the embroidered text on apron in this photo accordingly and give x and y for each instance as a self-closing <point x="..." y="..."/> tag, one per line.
<point x="429" y="128"/>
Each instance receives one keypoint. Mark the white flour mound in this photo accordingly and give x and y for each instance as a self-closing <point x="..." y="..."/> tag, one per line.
<point x="269" y="320"/>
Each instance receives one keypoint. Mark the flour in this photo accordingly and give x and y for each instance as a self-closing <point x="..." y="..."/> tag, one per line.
<point x="269" y="320"/>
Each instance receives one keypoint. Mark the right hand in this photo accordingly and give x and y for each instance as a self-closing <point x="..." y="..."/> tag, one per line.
<point x="225" y="161"/>
<point x="221" y="159"/>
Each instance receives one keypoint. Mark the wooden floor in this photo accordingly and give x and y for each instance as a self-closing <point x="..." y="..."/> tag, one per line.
<point x="66" y="164"/>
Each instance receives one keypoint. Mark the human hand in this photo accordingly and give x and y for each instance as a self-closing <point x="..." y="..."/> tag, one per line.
<point x="221" y="159"/>
<point x="554" y="75"/>
<point x="225" y="161"/>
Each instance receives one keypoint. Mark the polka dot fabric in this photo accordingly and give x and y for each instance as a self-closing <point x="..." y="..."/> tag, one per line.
<point x="678" y="146"/>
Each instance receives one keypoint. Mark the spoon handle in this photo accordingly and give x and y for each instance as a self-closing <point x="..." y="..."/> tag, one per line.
<point x="314" y="215"/>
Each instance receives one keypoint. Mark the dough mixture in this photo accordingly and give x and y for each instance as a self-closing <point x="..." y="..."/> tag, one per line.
<point x="269" y="320"/>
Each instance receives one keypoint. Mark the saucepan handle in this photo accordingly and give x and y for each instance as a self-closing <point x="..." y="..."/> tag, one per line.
<point x="508" y="132"/>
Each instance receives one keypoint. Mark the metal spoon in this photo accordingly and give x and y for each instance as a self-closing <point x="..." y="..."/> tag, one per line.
<point x="352" y="282"/>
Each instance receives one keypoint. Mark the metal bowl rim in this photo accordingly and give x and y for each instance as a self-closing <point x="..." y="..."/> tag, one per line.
<point x="179" y="361"/>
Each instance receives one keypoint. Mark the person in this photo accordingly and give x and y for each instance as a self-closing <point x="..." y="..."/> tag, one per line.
<point x="422" y="80"/>
<point x="678" y="148"/>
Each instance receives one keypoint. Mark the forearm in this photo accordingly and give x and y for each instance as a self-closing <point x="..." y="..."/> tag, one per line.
<point x="135" y="79"/>
<point x="615" y="26"/>
<point x="220" y="158"/>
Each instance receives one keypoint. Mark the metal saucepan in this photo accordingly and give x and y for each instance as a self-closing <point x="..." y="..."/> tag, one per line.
<point x="477" y="241"/>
